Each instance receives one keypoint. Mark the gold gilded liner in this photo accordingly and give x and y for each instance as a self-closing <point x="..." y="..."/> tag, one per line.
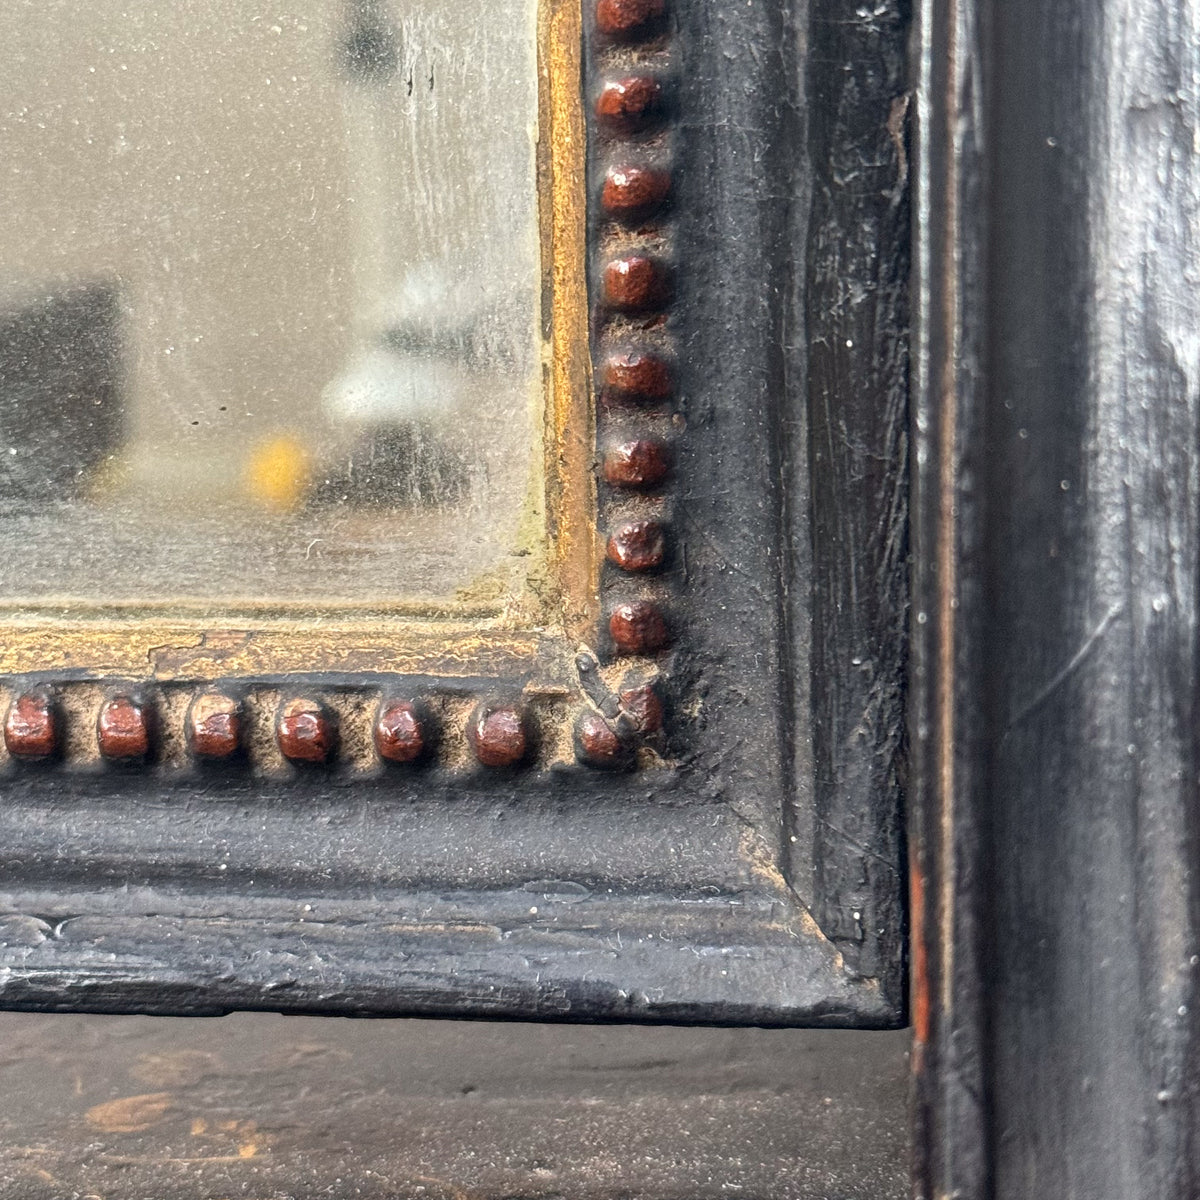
<point x="197" y="651"/>
<point x="570" y="432"/>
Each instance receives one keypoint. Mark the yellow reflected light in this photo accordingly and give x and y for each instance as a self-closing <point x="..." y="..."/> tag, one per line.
<point x="277" y="472"/>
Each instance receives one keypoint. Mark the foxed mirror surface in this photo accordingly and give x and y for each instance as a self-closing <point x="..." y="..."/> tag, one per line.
<point x="269" y="301"/>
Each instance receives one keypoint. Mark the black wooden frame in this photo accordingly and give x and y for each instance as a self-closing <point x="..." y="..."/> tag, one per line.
<point x="1056" y="905"/>
<point x="757" y="880"/>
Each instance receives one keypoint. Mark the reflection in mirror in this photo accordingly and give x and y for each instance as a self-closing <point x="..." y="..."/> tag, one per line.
<point x="269" y="287"/>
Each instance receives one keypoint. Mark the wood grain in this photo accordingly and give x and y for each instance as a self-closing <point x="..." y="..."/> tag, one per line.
<point x="295" y="1108"/>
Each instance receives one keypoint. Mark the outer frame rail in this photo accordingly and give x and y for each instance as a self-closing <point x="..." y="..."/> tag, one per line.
<point x="1057" y="541"/>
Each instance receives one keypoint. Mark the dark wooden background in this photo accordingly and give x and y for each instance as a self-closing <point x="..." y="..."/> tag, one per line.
<point x="294" y="1108"/>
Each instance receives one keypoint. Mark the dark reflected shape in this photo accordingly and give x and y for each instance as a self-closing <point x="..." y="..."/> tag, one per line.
<point x="60" y="398"/>
<point x="389" y="464"/>
<point x="370" y="46"/>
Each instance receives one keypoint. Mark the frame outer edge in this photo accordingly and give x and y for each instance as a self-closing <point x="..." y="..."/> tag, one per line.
<point x="1054" y="693"/>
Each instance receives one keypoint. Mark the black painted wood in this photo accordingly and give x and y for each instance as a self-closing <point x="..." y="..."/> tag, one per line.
<point x="757" y="881"/>
<point x="1055" y="652"/>
<point x="856" y="321"/>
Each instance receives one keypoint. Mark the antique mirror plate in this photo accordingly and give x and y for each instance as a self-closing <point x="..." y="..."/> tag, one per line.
<point x="270" y="318"/>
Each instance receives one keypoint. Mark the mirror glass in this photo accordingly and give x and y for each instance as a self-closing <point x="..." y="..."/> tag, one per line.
<point x="269" y="301"/>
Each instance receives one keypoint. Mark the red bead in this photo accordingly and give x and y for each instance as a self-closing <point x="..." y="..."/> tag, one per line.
<point x="637" y="377"/>
<point x="632" y="192"/>
<point x="499" y="735"/>
<point x="640" y="464"/>
<point x="305" y="731"/>
<point x="628" y="19"/>
<point x="213" y="725"/>
<point x="637" y="546"/>
<point x="125" y="728"/>
<point x="401" y="733"/>
<point x="636" y="283"/>
<point x="644" y="706"/>
<point x="638" y="627"/>
<point x="628" y="105"/>
<point x="598" y="745"/>
<point x="31" y="726"/>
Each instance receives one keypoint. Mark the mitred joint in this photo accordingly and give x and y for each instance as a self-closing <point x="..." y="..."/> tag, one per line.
<point x="305" y="731"/>
<point x="636" y="283"/>
<point x="630" y="193"/>
<point x="597" y="743"/>
<point x="402" y="733"/>
<point x="629" y="105"/>
<point x="628" y="20"/>
<point x="637" y="546"/>
<point x="31" y="726"/>
<point x="499" y="735"/>
<point x="213" y="726"/>
<point x="638" y="627"/>
<point x="125" y="728"/>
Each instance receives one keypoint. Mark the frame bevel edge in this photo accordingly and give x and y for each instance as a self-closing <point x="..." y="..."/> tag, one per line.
<point x="647" y="959"/>
<point x="855" y="315"/>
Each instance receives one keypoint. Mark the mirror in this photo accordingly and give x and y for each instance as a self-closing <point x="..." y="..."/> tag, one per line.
<point x="269" y="302"/>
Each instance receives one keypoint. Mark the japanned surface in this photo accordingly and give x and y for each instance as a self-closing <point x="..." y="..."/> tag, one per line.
<point x="292" y="1108"/>
<point x="1055" y="668"/>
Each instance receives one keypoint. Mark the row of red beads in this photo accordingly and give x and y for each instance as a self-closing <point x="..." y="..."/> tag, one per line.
<point x="632" y="296"/>
<point x="500" y="733"/>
